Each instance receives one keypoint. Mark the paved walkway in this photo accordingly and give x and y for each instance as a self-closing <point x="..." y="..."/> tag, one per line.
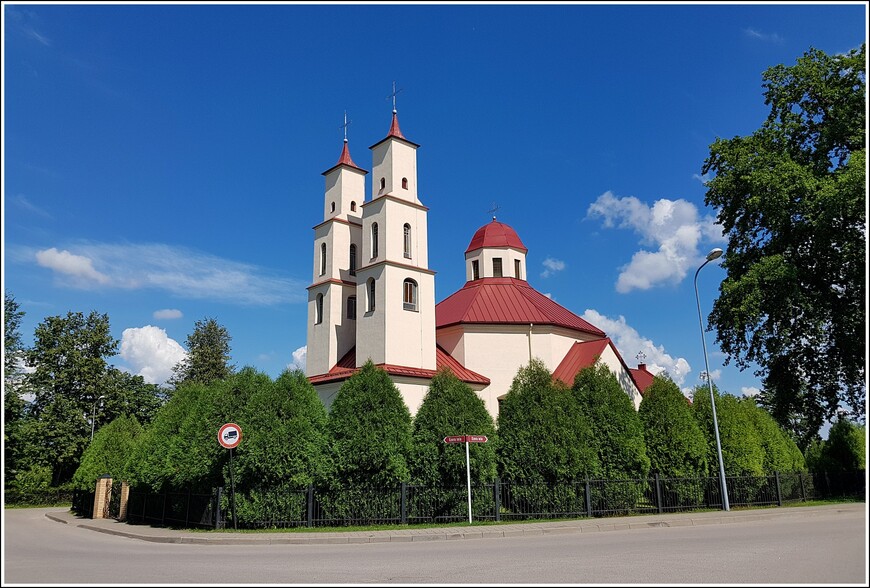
<point x="405" y="534"/>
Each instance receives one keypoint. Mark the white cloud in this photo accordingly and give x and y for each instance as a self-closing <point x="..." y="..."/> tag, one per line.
<point x="168" y="314"/>
<point x="773" y="37"/>
<point x="150" y="353"/>
<point x="672" y="230"/>
<point x="629" y="343"/>
<point x="22" y="202"/>
<point x="299" y="358"/>
<point x="182" y="272"/>
<point x="703" y="179"/>
<point x="77" y="268"/>
<point x="552" y="266"/>
<point x="750" y="391"/>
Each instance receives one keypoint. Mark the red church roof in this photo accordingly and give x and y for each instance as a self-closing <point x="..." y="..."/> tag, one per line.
<point x="506" y="301"/>
<point x="396" y="132"/>
<point x="346" y="367"/>
<point x="583" y="354"/>
<point x="496" y="234"/>
<point x="344" y="159"/>
<point x="642" y="377"/>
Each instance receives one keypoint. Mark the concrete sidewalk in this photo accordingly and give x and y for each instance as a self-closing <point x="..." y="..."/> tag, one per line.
<point x="406" y="534"/>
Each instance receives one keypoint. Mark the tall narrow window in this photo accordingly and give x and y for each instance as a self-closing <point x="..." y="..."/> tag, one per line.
<point x="404" y="183"/>
<point x="371" y="300"/>
<point x="409" y="295"/>
<point x="475" y="270"/>
<point x="374" y="240"/>
<point x="351" y="308"/>
<point x="352" y="206"/>
<point x="353" y="260"/>
<point x="517" y="270"/>
<point x="322" y="258"/>
<point x="496" y="267"/>
<point x="318" y="310"/>
<point x="383" y="183"/>
<point x="407" y="240"/>
<point x="332" y="207"/>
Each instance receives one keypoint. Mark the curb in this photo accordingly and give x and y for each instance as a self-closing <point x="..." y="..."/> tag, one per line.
<point x="416" y="536"/>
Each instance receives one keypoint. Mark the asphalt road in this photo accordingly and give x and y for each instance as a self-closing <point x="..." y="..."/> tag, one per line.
<point x="825" y="548"/>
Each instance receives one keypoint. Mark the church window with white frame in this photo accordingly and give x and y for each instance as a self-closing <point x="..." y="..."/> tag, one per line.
<point x="409" y="294"/>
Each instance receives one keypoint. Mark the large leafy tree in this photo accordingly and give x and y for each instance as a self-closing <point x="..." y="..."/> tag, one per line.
<point x="69" y="361"/>
<point x="781" y="454"/>
<point x="791" y="199"/>
<point x="208" y="355"/>
<point x="108" y="453"/>
<point x="13" y="403"/>
<point x="742" y="452"/>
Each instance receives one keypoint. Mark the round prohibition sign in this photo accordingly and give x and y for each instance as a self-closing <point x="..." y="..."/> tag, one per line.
<point x="230" y="435"/>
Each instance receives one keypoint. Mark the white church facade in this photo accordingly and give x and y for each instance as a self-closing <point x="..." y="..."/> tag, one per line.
<point x="373" y="295"/>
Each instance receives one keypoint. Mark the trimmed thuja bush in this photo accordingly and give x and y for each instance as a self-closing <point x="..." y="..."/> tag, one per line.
<point x="675" y="443"/>
<point x="438" y="469"/>
<point x="370" y="430"/>
<point x="544" y="445"/>
<point x="284" y="449"/>
<point x="617" y="438"/>
<point x="108" y="453"/>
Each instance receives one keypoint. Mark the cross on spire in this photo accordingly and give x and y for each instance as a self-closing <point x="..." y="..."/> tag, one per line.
<point x="640" y="356"/>
<point x="393" y="96"/>
<point x="345" y="125"/>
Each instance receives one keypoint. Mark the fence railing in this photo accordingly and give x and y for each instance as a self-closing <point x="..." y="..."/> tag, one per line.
<point x="514" y="500"/>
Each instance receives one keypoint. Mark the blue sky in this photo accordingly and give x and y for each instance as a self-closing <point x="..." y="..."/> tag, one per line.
<point x="162" y="163"/>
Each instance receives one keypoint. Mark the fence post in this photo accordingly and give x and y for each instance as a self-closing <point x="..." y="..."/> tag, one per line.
<point x="659" y="494"/>
<point x="101" y="496"/>
<point x="187" y="508"/>
<point x="803" y="489"/>
<point x="310" y="505"/>
<point x="125" y="499"/>
<point x="217" y="507"/>
<point x="778" y="490"/>
<point x="588" y="499"/>
<point x="163" y="514"/>
<point x="404" y="503"/>
<point x="496" y="490"/>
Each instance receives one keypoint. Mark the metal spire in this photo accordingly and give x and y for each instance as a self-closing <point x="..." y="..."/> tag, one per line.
<point x="345" y="125"/>
<point x="393" y="96"/>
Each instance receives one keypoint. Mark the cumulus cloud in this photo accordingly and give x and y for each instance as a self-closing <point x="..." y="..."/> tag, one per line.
<point x="150" y="353"/>
<point x="299" y="358"/>
<point x="673" y="231"/>
<point x="552" y="266"/>
<point x="750" y="391"/>
<point x="182" y="272"/>
<point x="630" y="343"/>
<point x="168" y="314"/>
<point x="77" y="269"/>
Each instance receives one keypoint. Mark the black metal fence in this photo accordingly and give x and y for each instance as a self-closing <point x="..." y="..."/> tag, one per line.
<point x="514" y="500"/>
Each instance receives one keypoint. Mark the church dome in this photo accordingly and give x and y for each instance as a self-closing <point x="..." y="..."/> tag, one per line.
<point x="496" y="234"/>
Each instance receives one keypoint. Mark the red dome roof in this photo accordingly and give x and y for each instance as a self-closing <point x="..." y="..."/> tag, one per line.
<point x="496" y="234"/>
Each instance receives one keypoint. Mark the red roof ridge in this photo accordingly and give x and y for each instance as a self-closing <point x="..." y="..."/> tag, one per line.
<point x="496" y="234"/>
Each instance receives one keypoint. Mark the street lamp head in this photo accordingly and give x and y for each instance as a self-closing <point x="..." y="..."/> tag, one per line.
<point x="714" y="254"/>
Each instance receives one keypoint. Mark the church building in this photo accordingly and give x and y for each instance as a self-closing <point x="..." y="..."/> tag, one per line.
<point x="373" y="295"/>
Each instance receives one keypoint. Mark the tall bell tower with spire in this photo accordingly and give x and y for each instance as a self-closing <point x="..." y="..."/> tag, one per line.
<point x="337" y="254"/>
<point x="395" y="287"/>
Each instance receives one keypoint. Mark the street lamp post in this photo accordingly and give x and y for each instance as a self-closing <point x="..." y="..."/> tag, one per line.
<point x="94" y="415"/>
<point x="714" y="254"/>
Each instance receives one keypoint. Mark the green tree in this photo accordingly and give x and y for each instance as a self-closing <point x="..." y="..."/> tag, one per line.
<point x="13" y="403"/>
<point x="370" y="430"/>
<point x="742" y="452"/>
<point x="451" y="407"/>
<point x="284" y="450"/>
<point x="675" y="443"/>
<point x="791" y="199"/>
<point x="69" y="362"/>
<point x="208" y="355"/>
<point x="845" y="448"/>
<point x="108" y="453"/>
<point x="781" y="454"/>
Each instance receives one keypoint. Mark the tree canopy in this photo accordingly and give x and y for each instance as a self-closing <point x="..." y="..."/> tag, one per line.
<point x="208" y="355"/>
<point x="791" y="200"/>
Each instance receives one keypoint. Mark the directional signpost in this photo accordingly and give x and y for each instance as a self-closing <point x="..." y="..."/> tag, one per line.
<point x="229" y="436"/>
<point x="467" y="439"/>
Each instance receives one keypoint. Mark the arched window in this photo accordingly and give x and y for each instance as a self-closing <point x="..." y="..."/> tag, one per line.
<point x="332" y="207"/>
<point x="383" y="183"/>
<point x="374" y="240"/>
<point x="404" y="183"/>
<point x="351" y="308"/>
<point x="352" y="259"/>
<point x="318" y="310"/>
<point x="409" y="294"/>
<point x="322" y="258"/>
<point x="371" y="301"/>
<point x="352" y="206"/>
<point x="407" y="240"/>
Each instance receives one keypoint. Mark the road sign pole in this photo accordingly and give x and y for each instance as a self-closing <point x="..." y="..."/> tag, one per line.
<point x="468" y="472"/>
<point x="233" y="489"/>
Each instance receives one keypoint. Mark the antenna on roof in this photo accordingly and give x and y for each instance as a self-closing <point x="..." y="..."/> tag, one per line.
<point x="393" y="96"/>
<point x="345" y="125"/>
<point x="495" y="208"/>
